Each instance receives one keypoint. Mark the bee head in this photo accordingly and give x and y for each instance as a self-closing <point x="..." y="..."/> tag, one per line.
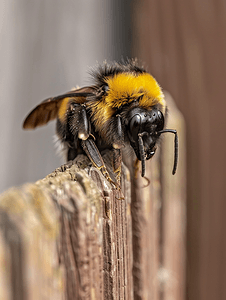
<point x="144" y="130"/>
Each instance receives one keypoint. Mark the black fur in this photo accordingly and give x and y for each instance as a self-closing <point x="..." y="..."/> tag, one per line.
<point x="114" y="68"/>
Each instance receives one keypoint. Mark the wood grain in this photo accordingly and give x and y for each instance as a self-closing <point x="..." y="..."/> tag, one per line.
<point x="67" y="236"/>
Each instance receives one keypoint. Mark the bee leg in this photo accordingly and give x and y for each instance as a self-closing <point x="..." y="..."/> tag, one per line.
<point x="84" y="124"/>
<point x="78" y="126"/>
<point x="118" y="143"/>
<point x="78" y="122"/>
<point x="117" y="162"/>
<point x="94" y="155"/>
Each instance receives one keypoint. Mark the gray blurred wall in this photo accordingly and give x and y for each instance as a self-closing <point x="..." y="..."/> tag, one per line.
<point x="46" y="49"/>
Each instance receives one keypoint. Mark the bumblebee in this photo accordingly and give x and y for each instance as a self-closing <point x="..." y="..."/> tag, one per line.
<point x="124" y="107"/>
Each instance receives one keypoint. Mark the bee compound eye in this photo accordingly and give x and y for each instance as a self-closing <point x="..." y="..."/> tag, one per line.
<point x="134" y="126"/>
<point x="135" y="122"/>
<point x="160" y="115"/>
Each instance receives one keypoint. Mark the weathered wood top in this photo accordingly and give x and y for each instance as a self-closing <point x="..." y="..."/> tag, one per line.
<point x="67" y="235"/>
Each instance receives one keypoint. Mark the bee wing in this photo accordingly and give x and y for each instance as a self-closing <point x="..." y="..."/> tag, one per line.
<point x="48" y="109"/>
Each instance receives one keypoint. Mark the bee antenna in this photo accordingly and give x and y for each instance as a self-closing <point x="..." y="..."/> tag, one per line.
<point x="141" y="152"/>
<point x="175" y="147"/>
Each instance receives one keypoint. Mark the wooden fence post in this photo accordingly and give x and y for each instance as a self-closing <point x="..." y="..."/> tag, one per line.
<point x="67" y="237"/>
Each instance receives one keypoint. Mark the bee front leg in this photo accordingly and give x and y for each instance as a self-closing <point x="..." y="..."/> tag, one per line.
<point x="77" y="127"/>
<point x="84" y="124"/>
<point x="117" y="163"/>
<point x="95" y="157"/>
<point x="81" y="127"/>
<point x="118" y="143"/>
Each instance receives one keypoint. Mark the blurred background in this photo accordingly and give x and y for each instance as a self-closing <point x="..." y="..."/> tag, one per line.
<point x="47" y="47"/>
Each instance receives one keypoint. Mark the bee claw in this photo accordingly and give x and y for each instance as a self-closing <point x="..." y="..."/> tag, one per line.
<point x="148" y="182"/>
<point x="115" y="184"/>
